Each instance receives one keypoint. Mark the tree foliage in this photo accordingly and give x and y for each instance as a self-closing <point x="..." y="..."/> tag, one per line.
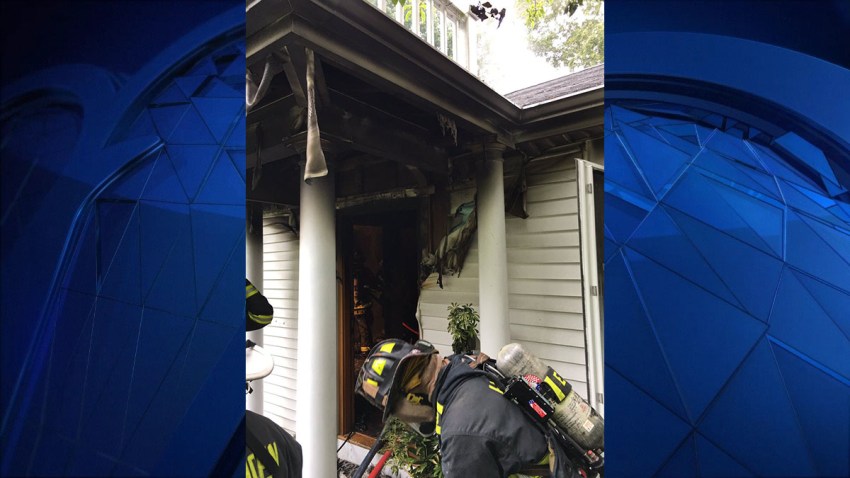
<point x="565" y="32"/>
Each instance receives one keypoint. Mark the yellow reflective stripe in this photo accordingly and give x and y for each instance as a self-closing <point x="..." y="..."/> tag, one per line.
<point x="387" y="347"/>
<point x="250" y="291"/>
<point x="273" y="451"/>
<point x="378" y="365"/>
<point x="555" y="388"/>
<point x="260" y="319"/>
<point x="250" y="469"/>
<point x="494" y="388"/>
<point x="437" y="428"/>
<point x="371" y="382"/>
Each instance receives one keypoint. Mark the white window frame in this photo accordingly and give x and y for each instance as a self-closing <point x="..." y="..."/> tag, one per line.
<point x="451" y="17"/>
<point x="461" y="41"/>
<point x="591" y="296"/>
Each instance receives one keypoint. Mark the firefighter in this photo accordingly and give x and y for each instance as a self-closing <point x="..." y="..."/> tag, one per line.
<point x="270" y="450"/>
<point x="482" y="434"/>
<point x="258" y="311"/>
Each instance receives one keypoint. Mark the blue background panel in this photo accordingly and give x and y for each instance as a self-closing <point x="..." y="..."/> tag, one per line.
<point x="739" y="317"/>
<point x="123" y="242"/>
<point x="727" y="287"/>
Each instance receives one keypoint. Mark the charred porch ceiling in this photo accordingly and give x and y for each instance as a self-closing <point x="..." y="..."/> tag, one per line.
<point x="397" y="118"/>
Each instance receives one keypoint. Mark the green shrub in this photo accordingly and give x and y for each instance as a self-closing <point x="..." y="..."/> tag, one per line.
<point x="463" y="326"/>
<point x="417" y="455"/>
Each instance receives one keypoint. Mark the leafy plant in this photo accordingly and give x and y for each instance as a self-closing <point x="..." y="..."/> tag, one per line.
<point x="417" y="455"/>
<point x="463" y="326"/>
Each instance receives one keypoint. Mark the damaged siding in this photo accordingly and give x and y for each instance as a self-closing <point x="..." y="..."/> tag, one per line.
<point x="544" y="276"/>
<point x="462" y="289"/>
<point x="280" y="286"/>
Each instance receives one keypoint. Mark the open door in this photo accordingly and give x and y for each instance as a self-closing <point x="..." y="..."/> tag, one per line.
<point x="379" y="284"/>
<point x="590" y="177"/>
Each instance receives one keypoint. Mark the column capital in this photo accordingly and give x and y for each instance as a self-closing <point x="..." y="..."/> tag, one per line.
<point x="494" y="151"/>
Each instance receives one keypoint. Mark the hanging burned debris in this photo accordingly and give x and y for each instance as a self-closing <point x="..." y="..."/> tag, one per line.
<point x="486" y="10"/>
<point x="454" y="246"/>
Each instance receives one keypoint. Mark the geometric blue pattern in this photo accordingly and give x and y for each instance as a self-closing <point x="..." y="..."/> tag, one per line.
<point x="728" y="269"/>
<point x="137" y="208"/>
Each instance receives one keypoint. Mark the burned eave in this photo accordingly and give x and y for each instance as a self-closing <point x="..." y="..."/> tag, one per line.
<point x="383" y="92"/>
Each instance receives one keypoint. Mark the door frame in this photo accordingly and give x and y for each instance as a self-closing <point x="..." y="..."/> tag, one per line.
<point x="591" y="293"/>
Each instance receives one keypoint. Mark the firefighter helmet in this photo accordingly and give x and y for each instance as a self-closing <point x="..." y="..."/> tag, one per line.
<point x="385" y="364"/>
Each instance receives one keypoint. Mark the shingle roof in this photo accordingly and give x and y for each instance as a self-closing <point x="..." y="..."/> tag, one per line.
<point x="559" y="87"/>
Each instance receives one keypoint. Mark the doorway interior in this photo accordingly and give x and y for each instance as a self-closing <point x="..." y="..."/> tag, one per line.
<point x="379" y="273"/>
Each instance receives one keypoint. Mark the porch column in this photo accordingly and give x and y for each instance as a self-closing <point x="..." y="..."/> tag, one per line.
<point x="254" y="273"/>
<point x="492" y="252"/>
<point x="316" y="396"/>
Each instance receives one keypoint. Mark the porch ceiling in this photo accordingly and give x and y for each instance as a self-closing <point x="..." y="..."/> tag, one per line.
<point x="379" y="92"/>
<point x="359" y="40"/>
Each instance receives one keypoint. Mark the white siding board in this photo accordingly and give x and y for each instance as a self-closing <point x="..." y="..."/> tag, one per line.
<point x="281" y="265"/>
<point x="279" y="391"/>
<point x="539" y="170"/>
<point x="551" y="208"/>
<point x="534" y="225"/>
<point x="573" y="338"/>
<point x="280" y="339"/>
<point x="545" y="302"/>
<point x="282" y="294"/>
<point x="285" y="355"/>
<point x="280" y="256"/>
<point x="542" y="240"/>
<point x="281" y="332"/>
<point x="547" y="352"/>
<point x="285" y="377"/>
<point x="281" y="342"/>
<point x="280" y="275"/>
<point x="269" y="284"/>
<point x="544" y="271"/>
<point x="434" y="323"/>
<point x="570" y="288"/>
<point x="451" y="296"/>
<point x="286" y="413"/>
<point x="542" y="318"/>
<point x="271" y="247"/>
<point x="558" y="190"/>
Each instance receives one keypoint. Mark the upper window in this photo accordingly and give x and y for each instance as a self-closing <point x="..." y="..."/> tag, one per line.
<point x="438" y="22"/>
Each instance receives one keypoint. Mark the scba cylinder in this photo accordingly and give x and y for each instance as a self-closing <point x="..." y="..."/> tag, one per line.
<point x="572" y="413"/>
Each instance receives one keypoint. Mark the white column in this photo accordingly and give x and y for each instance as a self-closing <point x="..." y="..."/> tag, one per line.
<point x="492" y="253"/>
<point x="316" y="398"/>
<point x="254" y="273"/>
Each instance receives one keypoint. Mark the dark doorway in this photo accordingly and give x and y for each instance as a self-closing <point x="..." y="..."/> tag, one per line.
<point x="381" y="262"/>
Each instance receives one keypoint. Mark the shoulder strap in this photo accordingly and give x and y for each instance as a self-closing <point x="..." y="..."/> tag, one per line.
<point x="260" y="452"/>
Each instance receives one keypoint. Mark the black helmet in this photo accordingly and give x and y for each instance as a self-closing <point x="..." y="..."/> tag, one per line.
<point x="386" y="362"/>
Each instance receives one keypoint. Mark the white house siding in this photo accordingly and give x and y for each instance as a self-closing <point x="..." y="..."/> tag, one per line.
<point x="280" y="286"/>
<point x="544" y="276"/>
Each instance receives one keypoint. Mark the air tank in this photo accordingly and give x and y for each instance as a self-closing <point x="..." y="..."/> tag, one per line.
<point x="575" y="416"/>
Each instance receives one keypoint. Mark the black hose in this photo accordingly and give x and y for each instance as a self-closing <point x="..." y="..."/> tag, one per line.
<point x="379" y="442"/>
